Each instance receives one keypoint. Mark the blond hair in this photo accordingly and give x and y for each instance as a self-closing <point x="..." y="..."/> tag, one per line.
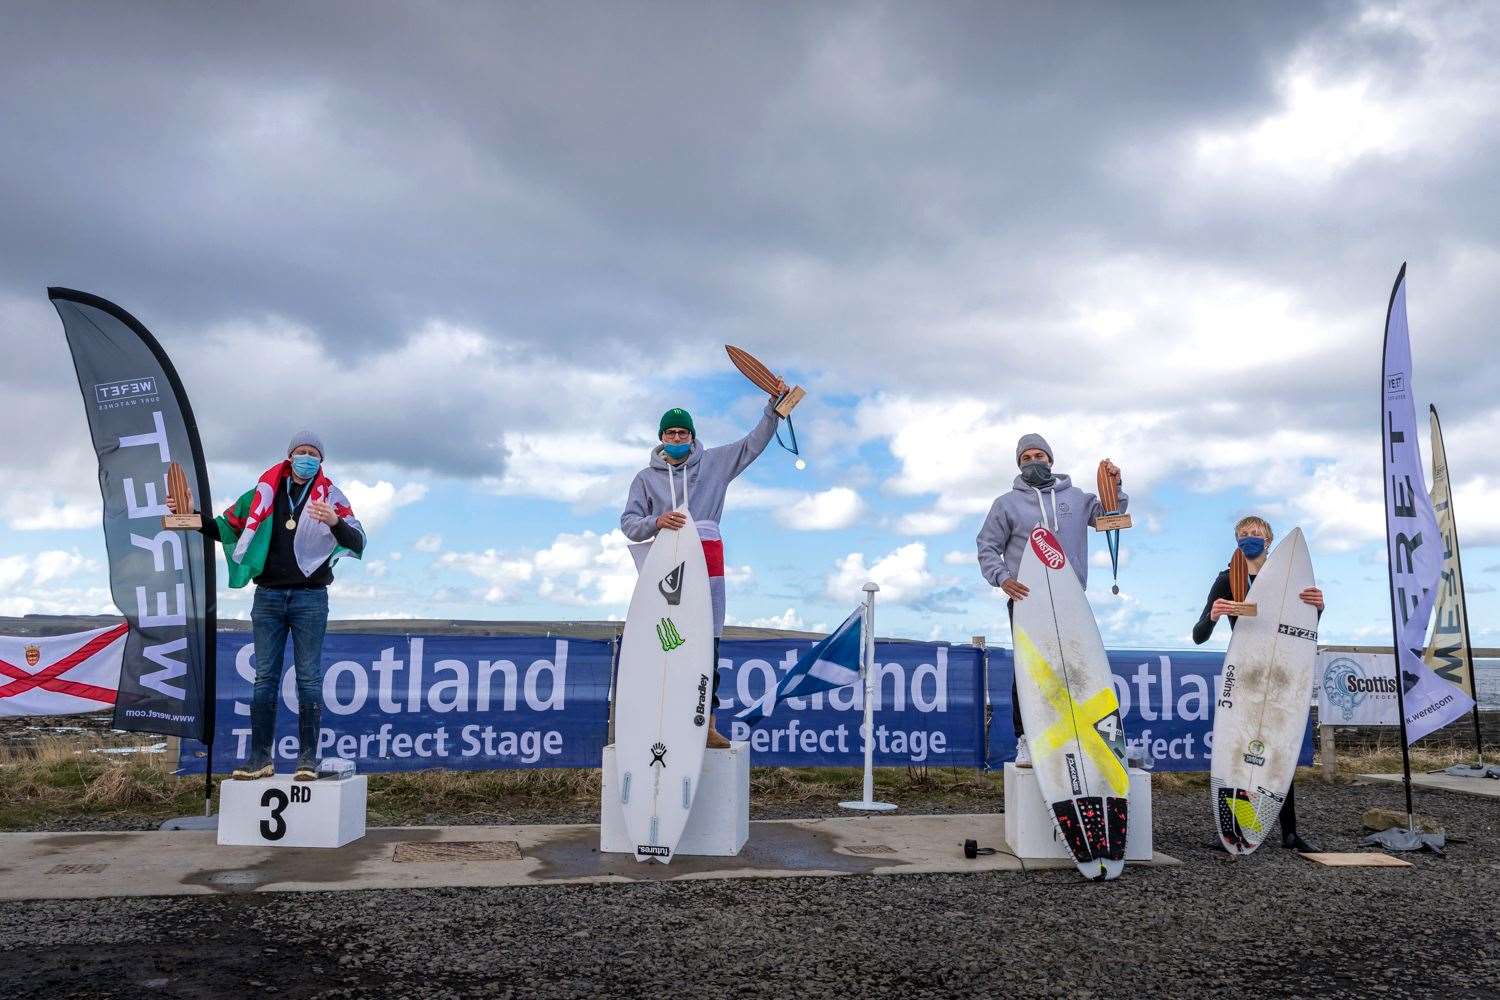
<point x="1260" y="522"/>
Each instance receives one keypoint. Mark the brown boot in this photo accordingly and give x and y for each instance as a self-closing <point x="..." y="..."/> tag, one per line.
<point x="716" y="740"/>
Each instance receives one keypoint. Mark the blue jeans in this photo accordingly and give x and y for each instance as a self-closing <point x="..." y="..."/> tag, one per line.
<point x="302" y="611"/>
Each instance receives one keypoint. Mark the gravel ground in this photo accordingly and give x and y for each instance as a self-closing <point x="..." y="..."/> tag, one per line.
<point x="1272" y="924"/>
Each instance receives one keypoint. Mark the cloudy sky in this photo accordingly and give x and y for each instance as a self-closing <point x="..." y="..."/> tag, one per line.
<point x="481" y="247"/>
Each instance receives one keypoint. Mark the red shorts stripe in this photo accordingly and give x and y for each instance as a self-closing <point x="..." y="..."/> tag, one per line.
<point x="713" y="552"/>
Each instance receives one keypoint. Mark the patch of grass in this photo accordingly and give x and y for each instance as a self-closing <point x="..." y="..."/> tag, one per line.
<point x="64" y="778"/>
<point x="61" y="778"/>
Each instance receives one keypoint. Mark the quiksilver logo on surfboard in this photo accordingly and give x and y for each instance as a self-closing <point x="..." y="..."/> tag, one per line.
<point x="1047" y="548"/>
<point x="671" y="585"/>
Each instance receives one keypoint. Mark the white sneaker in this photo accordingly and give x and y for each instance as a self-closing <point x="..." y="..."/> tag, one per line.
<point x="1023" y="753"/>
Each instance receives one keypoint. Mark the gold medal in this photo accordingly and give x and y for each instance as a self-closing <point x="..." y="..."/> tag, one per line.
<point x="291" y="524"/>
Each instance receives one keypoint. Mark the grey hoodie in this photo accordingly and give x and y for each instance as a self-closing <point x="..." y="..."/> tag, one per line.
<point x="1068" y="511"/>
<point x="709" y="471"/>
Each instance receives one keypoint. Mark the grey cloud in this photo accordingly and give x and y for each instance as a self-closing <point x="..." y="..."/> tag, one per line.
<point x="893" y="194"/>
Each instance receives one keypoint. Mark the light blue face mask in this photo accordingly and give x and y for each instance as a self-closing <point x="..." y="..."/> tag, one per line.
<point x="305" y="466"/>
<point x="677" y="450"/>
<point x="1252" y="546"/>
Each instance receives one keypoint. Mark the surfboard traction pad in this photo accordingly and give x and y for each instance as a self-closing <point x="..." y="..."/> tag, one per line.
<point x="1093" y="827"/>
<point x="1243" y="816"/>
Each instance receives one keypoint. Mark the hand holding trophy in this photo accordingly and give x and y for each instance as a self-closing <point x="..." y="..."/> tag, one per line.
<point x="1110" y="521"/>
<point x="1239" y="585"/>
<point x="786" y="399"/>
<point x="180" y="502"/>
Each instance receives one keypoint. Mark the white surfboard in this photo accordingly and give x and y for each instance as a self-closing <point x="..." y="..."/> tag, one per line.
<point x="662" y="691"/>
<point x="1264" y="694"/>
<point x="1070" y="710"/>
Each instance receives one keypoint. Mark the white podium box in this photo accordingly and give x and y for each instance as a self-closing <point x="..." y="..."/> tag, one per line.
<point x="280" y="812"/>
<point x="1031" y="832"/>
<point x="719" y="824"/>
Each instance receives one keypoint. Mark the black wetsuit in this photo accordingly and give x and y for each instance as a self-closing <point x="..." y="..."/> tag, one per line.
<point x="1201" y="632"/>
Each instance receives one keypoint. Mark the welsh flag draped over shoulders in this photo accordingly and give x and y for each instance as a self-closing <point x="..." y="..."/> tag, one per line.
<point x="247" y="540"/>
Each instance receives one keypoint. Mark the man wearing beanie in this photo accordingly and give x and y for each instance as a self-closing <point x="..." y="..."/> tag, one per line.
<point x="285" y="534"/>
<point x="699" y="477"/>
<point x="1038" y="496"/>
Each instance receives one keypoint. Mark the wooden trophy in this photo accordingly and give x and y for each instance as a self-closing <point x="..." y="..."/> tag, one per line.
<point x="1109" y="500"/>
<point x="761" y="376"/>
<point x="1111" y="521"/>
<point x="177" y="489"/>
<point x="1239" y="585"/>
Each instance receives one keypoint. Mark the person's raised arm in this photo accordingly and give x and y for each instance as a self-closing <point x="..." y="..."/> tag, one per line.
<point x="739" y="454"/>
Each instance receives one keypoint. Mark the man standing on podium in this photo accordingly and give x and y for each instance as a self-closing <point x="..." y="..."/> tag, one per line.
<point x="1038" y="496"/>
<point x="681" y="465"/>
<point x="285" y="534"/>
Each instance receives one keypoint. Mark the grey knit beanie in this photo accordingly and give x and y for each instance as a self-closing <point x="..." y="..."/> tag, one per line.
<point x="309" y="438"/>
<point x="1033" y="441"/>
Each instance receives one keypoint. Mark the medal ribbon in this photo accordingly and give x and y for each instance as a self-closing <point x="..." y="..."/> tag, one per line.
<point x="296" y="504"/>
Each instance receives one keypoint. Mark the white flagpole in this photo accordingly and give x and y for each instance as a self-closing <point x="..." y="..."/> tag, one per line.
<point x="872" y="682"/>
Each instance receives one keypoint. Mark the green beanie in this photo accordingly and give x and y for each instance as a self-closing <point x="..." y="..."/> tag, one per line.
<point x="676" y="417"/>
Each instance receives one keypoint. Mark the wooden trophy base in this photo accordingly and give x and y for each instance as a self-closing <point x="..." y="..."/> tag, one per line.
<point x="1111" y="522"/>
<point x="182" y="522"/>
<point x="787" y="403"/>
<point x="1242" y="609"/>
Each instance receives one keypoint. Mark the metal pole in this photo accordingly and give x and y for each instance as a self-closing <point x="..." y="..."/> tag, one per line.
<point x="871" y="678"/>
<point x="1390" y="566"/>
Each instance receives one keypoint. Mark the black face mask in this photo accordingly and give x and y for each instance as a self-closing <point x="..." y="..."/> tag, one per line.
<point x="1037" y="474"/>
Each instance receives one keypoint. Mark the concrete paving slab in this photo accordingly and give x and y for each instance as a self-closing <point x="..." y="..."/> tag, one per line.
<point x="1487" y="787"/>
<point x="186" y="863"/>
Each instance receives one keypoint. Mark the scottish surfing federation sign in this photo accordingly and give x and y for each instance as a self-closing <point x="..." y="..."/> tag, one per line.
<point x="1356" y="689"/>
<point x="1414" y="547"/>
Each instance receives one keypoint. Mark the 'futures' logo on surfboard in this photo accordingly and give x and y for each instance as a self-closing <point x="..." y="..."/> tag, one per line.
<point x="1047" y="548"/>
<point x="671" y="585"/>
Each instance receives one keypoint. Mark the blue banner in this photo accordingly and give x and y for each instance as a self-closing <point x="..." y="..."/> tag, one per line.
<point x="409" y="702"/>
<point x="1166" y="703"/>
<point x="400" y="702"/>
<point x="930" y="707"/>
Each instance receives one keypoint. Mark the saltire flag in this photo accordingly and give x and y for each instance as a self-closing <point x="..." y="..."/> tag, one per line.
<point x="831" y="663"/>
<point x="61" y="674"/>
<point x="162" y="581"/>
<point x="1414" y="548"/>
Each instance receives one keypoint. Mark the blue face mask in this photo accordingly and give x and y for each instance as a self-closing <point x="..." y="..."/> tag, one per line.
<point x="1252" y="546"/>
<point x="677" y="450"/>
<point x="305" y="466"/>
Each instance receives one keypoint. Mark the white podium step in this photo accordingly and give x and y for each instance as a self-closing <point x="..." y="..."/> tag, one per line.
<point x="280" y="812"/>
<point x="1031" y="832"/>
<point x="719" y="824"/>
